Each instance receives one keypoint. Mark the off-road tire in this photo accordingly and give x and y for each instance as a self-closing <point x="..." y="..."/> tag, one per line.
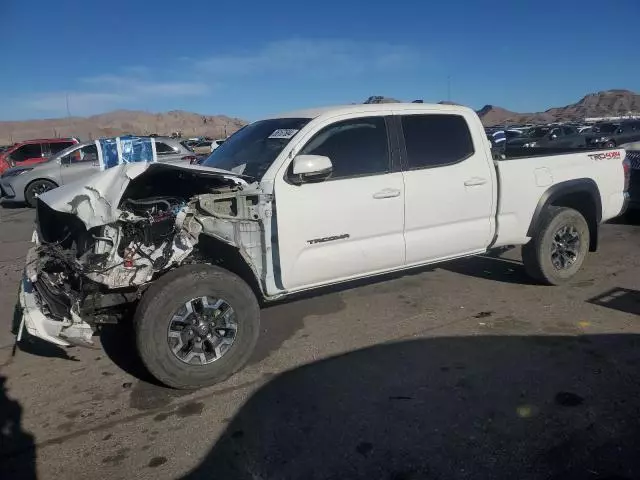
<point x="165" y="296"/>
<point x="31" y="192"/>
<point x="536" y="255"/>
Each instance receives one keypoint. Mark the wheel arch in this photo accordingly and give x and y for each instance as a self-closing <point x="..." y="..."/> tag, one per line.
<point x="581" y="194"/>
<point x="216" y="252"/>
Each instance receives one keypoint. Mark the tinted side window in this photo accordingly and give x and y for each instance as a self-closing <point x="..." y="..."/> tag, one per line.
<point x="58" y="147"/>
<point x="164" y="149"/>
<point x="569" y="131"/>
<point x="356" y="147"/>
<point x="84" y="154"/>
<point x="435" y="140"/>
<point x="26" y="152"/>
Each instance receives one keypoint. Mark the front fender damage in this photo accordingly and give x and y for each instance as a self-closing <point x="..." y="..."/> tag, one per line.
<point x="101" y="245"/>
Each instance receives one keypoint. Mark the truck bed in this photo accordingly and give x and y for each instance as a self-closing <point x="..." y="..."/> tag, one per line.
<point x="524" y="181"/>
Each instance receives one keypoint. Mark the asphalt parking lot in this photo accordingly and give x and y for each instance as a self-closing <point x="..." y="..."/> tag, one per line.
<point x="465" y="370"/>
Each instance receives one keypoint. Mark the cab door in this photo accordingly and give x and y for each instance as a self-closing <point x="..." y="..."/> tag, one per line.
<point x="350" y="223"/>
<point x="450" y="193"/>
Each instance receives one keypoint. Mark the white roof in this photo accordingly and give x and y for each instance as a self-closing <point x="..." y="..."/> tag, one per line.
<point x="373" y="107"/>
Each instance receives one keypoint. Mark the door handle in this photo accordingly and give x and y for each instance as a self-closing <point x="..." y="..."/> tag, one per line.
<point x="475" y="181"/>
<point x="387" y="193"/>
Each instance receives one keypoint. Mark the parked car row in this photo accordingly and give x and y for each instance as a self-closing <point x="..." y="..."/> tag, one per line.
<point x="611" y="135"/>
<point x="599" y="135"/>
<point x="32" y="152"/>
<point x="28" y="179"/>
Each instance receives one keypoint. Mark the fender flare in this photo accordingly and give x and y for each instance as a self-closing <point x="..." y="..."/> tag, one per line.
<point x="578" y="185"/>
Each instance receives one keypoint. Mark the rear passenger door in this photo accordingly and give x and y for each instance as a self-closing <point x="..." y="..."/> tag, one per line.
<point x="449" y="188"/>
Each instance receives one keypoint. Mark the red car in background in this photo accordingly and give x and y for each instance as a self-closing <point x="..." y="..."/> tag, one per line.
<point x="33" y="151"/>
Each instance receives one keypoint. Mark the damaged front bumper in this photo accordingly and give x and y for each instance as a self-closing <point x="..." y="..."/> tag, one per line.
<point x="37" y="322"/>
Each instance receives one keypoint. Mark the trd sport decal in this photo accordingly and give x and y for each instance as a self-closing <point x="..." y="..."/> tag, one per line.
<point x="604" y="156"/>
<point x="328" y="239"/>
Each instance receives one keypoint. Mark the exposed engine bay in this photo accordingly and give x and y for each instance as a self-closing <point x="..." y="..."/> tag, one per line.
<point x="85" y="275"/>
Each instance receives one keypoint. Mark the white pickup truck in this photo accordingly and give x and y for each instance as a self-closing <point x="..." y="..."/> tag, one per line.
<point x="291" y="203"/>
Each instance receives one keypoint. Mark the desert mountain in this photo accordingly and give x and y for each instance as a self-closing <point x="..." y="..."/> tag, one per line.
<point x="602" y="104"/>
<point x="121" y="122"/>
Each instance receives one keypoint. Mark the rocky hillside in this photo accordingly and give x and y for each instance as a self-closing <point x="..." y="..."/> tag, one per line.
<point x="601" y="104"/>
<point x="121" y="122"/>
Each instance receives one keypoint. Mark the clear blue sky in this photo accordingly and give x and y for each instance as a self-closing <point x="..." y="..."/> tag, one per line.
<point x="251" y="58"/>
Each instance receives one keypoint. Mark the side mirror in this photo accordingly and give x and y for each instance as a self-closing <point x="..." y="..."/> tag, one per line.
<point x="309" y="168"/>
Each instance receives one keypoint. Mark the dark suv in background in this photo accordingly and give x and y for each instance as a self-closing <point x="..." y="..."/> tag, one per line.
<point x="610" y="135"/>
<point x="549" y="137"/>
<point x="33" y="151"/>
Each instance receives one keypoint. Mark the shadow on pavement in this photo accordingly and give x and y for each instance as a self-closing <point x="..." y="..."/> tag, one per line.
<point x="9" y="205"/>
<point x="631" y="217"/>
<point x="118" y="342"/>
<point x="490" y="267"/>
<point x="35" y="346"/>
<point x="17" y="447"/>
<point x="445" y="408"/>
<point x="622" y="299"/>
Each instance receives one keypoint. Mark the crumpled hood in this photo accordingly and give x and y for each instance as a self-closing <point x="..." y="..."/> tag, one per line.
<point x="94" y="200"/>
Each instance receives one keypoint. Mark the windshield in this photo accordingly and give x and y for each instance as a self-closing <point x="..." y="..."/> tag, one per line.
<point x="252" y="149"/>
<point x="605" y="128"/>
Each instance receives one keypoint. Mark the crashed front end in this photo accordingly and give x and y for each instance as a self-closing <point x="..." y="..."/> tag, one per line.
<point x="98" y="246"/>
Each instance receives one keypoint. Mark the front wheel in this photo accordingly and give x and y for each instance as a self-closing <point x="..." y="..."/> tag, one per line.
<point x="196" y="326"/>
<point x="610" y="144"/>
<point x="558" y="247"/>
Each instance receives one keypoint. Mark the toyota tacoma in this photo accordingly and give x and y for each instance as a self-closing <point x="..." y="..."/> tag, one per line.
<point x="291" y="203"/>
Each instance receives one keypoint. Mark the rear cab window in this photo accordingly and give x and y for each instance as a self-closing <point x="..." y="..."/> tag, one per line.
<point x="436" y="140"/>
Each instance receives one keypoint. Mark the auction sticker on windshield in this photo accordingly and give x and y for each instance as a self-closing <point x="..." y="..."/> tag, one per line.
<point x="284" y="133"/>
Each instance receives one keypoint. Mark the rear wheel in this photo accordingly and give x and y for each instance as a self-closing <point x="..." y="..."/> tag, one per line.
<point x="196" y="326"/>
<point x="559" y="246"/>
<point x="36" y="188"/>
